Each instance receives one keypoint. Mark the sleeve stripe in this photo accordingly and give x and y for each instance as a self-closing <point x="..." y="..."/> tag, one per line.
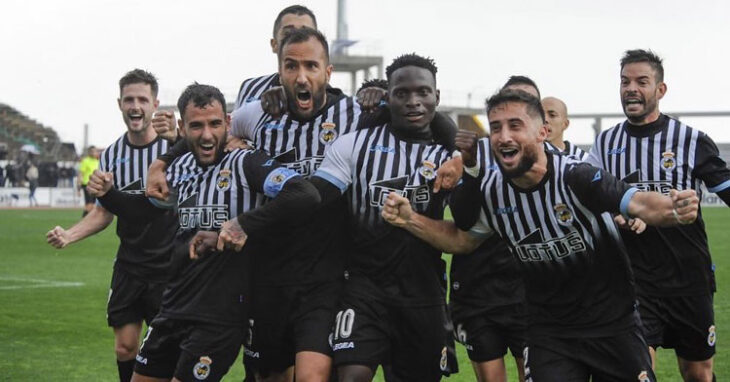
<point x="720" y="187"/>
<point x="332" y="179"/>
<point x="624" y="206"/>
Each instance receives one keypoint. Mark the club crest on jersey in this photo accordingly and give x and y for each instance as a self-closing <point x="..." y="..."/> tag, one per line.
<point x="563" y="214"/>
<point x="328" y="133"/>
<point x="711" y="336"/>
<point x="643" y="376"/>
<point x="668" y="162"/>
<point x="443" y="364"/>
<point x="201" y="370"/>
<point x="427" y="170"/>
<point x="224" y="180"/>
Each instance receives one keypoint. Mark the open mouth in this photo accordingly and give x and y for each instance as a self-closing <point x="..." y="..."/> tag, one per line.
<point x="414" y="116"/>
<point x="508" y="153"/>
<point x="304" y="99"/>
<point x="207" y="148"/>
<point x="632" y="101"/>
<point x="136" y="117"/>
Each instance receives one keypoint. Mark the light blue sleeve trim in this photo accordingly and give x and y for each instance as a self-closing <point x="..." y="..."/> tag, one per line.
<point x="332" y="179"/>
<point x="276" y="180"/>
<point x="719" y="187"/>
<point x="624" y="206"/>
<point x="161" y="205"/>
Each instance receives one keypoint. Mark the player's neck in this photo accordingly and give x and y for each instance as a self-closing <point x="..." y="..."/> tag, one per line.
<point x="559" y="143"/>
<point x="141" y="138"/>
<point x="535" y="174"/>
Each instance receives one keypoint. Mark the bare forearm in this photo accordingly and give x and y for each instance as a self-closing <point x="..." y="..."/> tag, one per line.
<point x="441" y="234"/>
<point x="95" y="221"/>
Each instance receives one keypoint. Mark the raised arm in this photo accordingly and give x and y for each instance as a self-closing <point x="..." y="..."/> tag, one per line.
<point x="441" y="234"/>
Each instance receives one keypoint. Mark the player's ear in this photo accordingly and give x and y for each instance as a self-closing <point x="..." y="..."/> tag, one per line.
<point x="157" y="103"/>
<point x="438" y="97"/>
<point x="181" y="126"/>
<point x="228" y="122"/>
<point x="661" y="90"/>
<point x="119" y="103"/>
<point x="274" y="46"/>
<point x="328" y="70"/>
<point x="567" y="124"/>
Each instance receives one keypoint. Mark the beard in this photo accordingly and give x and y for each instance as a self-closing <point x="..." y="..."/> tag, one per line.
<point x="218" y="151"/>
<point x="648" y="107"/>
<point x="529" y="157"/>
<point x="318" y="100"/>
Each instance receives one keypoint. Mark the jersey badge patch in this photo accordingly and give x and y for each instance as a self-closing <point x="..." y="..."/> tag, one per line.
<point x="427" y="170"/>
<point x="711" y="336"/>
<point x="328" y="133"/>
<point x="224" y="180"/>
<point x="643" y="376"/>
<point x="201" y="370"/>
<point x="563" y="214"/>
<point x="444" y="359"/>
<point x="668" y="162"/>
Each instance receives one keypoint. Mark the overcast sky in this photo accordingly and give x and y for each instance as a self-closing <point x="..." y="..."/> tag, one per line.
<point x="62" y="59"/>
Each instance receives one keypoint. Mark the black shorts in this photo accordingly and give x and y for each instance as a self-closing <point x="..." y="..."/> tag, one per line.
<point x="622" y="357"/>
<point x="88" y="198"/>
<point x="683" y="323"/>
<point x="286" y="320"/>
<point x="488" y="333"/>
<point x="188" y="351"/>
<point x="412" y="340"/>
<point x="132" y="299"/>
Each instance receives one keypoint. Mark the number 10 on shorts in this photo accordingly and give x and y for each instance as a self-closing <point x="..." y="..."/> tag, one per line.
<point x="343" y="323"/>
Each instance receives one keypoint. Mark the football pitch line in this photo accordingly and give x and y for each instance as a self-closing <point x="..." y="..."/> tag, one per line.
<point x="27" y="283"/>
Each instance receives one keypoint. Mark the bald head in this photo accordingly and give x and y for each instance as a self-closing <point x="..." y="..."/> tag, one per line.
<point x="556" y="115"/>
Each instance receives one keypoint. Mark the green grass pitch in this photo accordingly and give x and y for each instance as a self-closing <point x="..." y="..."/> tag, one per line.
<point x="52" y="303"/>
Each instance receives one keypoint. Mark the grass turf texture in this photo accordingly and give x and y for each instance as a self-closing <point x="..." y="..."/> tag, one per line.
<point x="50" y="331"/>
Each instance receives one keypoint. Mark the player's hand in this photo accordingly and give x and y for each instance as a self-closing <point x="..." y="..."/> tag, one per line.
<point x="231" y="236"/>
<point x="636" y="225"/>
<point x="164" y="124"/>
<point x="448" y="175"/>
<point x="99" y="183"/>
<point x="157" y="181"/>
<point x="466" y="141"/>
<point x="370" y="98"/>
<point x="58" y="237"/>
<point x="233" y="142"/>
<point x="686" y="205"/>
<point x="273" y="101"/>
<point x="202" y="243"/>
<point x="397" y="210"/>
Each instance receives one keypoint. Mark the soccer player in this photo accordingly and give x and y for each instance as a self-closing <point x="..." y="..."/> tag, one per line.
<point x="140" y="267"/>
<point x="551" y="210"/>
<point x="291" y="17"/>
<point x="393" y="307"/>
<point x="556" y="116"/>
<point x="673" y="268"/>
<point x="88" y="164"/>
<point x="197" y="333"/>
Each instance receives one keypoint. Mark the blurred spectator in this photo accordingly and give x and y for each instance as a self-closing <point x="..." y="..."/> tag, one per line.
<point x="32" y="176"/>
<point x="87" y="166"/>
<point x="2" y="177"/>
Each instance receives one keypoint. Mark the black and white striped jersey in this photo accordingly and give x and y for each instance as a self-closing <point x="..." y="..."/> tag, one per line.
<point x="571" y="149"/>
<point x="252" y="88"/>
<point x="212" y="288"/>
<point x="489" y="276"/>
<point x="368" y="165"/>
<point x="144" y="249"/>
<point x="660" y="156"/>
<point x="312" y="252"/>
<point x="577" y="276"/>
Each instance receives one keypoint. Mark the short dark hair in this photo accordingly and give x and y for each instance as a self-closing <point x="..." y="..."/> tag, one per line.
<point x="374" y="83"/>
<point x="137" y="76"/>
<point x="201" y="96"/>
<point x="641" y="55"/>
<point x="304" y="34"/>
<point x="293" y="10"/>
<point x="522" y="80"/>
<point x="534" y="106"/>
<point x="411" y="59"/>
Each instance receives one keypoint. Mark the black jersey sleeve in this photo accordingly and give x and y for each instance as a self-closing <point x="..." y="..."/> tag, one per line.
<point x="465" y="202"/>
<point x="132" y="207"/>
<point x="598" y="189"/>
<point x="293" y="198"/>
<point x="444" y="131"/>
<point x="178" y="149"/>
<point x="711" y="168"/>
<point x="328" y="192"/>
